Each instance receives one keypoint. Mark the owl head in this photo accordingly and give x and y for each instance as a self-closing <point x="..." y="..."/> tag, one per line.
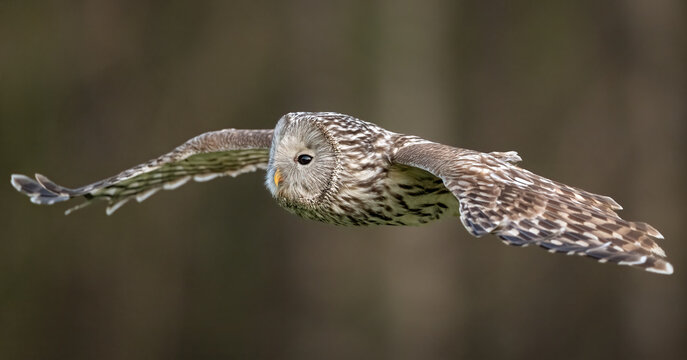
<point x="303" y="160"/>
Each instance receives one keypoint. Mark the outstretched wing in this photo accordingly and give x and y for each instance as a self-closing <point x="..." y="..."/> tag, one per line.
<point x="522" y="208"/>
<point x="205" y="157"/>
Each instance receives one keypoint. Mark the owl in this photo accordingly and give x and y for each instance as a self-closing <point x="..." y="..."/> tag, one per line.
<point x="340" y="170"/>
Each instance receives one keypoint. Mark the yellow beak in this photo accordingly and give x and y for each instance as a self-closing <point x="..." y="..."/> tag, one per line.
<point x="277" y="177"/>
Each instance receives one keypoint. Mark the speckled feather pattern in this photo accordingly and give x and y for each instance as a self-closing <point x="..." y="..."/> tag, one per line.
<point x="202" y="158"/>
<point x="368" y="189"/>
<point x="378" y="177"/>
<point x="522" y="208"/>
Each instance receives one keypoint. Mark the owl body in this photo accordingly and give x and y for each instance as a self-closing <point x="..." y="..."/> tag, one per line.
<point x="398" y="196"/>
<point x="337" y="169"/>
<point x="365" y="186"/>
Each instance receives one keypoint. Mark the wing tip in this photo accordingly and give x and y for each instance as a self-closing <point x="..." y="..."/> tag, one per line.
<point x="661" y="267"/>
<point x="35" y="190"/>
<point x="42" y="178"/>
<point x="17" y="179"/>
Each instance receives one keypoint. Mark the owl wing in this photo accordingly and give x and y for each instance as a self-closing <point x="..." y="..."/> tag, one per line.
<point x="522" y="208"/>
<point x="202" y="158"/>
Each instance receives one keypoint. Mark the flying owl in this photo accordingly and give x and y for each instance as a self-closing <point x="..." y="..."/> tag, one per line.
<point x="340" y="170"/>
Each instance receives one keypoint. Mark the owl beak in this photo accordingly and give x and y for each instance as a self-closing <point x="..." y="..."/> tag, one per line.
<point x="277" y="177"/>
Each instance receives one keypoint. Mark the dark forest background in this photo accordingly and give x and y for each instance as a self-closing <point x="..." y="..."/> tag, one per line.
<point x="591" y="93"/>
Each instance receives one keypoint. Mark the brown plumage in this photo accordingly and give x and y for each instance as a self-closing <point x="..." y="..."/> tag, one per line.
<point x="337" y="169"/>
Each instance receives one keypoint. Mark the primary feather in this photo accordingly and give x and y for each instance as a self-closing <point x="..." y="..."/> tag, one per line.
<point x="205" y="157"/>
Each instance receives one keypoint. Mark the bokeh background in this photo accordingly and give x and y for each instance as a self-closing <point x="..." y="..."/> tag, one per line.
<point x="591" y="93"/>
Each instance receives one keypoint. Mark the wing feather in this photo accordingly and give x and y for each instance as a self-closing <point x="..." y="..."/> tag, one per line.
<point x="205" y="157"/>
<point x="522" y="208"/>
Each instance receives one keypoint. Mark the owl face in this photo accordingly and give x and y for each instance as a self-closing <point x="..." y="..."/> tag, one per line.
<point x="302" y="161"/>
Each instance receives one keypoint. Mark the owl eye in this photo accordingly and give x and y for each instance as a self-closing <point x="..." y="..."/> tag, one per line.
<point x="304" y="159"/>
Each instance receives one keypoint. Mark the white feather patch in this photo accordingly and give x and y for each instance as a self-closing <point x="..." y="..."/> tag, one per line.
<point x="15" y="180"/>
<point x="523" y="181"/>
<point x="112" y="208"/>
<point x="176" y="183"/>
<point x="146" y="194"/>
<point x="641" y="260"/>
<point x="667" y="271"/>
<point x="205" y="177"/>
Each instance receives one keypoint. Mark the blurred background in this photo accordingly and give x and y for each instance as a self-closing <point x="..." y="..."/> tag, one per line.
<point x="590" y="93"/>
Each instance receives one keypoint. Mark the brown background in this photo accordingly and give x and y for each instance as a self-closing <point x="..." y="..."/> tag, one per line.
<point x="591" y="93"/>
